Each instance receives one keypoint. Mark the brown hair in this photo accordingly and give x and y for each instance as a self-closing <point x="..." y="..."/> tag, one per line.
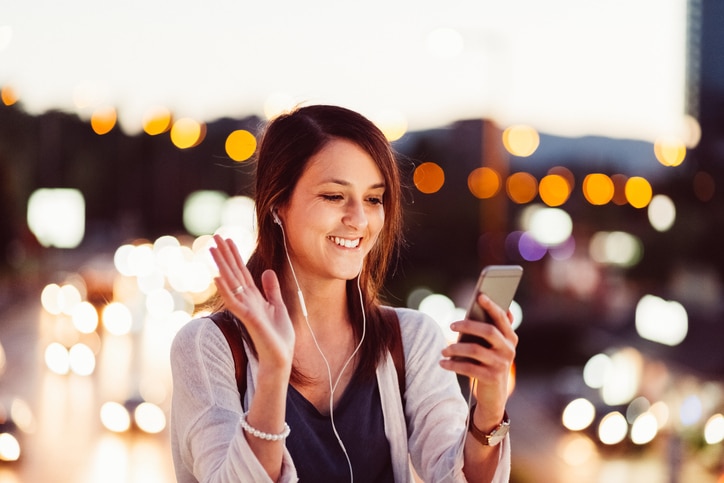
<point x="288" y="143"/>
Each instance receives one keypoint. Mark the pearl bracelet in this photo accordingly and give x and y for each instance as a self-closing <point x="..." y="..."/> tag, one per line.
<point x="261" y="434"/>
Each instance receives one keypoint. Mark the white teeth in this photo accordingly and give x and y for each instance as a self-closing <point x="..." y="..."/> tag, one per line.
<point x="343" y="242"/>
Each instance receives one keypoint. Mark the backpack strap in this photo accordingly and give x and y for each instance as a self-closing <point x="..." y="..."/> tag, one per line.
<point x="231" y="330"/>
<point x="396" y="349"/>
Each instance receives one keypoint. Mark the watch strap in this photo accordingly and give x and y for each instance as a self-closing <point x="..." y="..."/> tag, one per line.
<point x="487" y="438"/>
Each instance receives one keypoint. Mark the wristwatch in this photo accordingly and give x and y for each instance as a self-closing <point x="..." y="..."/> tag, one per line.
<point x="495" y="436"/>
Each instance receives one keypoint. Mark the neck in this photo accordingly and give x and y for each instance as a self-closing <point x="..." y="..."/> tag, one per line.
<point x="326" y="302"/>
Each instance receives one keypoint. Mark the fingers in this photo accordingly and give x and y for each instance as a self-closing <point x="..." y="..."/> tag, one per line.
<point x="232" y="269"/>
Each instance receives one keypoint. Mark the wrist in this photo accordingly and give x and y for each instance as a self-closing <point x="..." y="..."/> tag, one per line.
<point x="489" y="434"/>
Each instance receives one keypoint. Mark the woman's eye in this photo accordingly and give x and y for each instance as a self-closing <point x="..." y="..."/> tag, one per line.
<point x="375" y="200"/>
<point x="332" y="197"/>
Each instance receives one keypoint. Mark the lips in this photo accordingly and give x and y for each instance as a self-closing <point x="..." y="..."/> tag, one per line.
<point x="345" y="242"/>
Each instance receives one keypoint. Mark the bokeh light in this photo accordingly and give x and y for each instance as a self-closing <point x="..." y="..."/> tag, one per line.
<point x="187" y="133"/>
<point x="442" y="309"/>
<point x="662" y="321"/>
<point x="56" y="216"/>
<point x="149" y="418"/>
<point x="117" y="318"/>
<point x="549" y="226"/>
<point x="578" y="414"/>
<point x="428" y="177"/>
<point x="9" y="447"/>
<point x="691" y="410"/>
<point x="638" y="192"/>
<point x="392" y="123"/>
<point x="240" y="145"/>
<point x="521" y="187"/>
<point x="596" y="370"/>
<point x="615" y="248"/>
<point x="57" y="358"/>
<point x="662" y="212"/>
<point x="8" y="95"/>
<point x="521" y="140"/>
<point x="202" y="211"/>
<point x="103" y="120"/>
<point x="81" y="360"/>
<point x="598" y="188"/>
<point x="612" y="428"/>
<point x="157" y="120"/>
<point x="576" y="449"/>
<point x="484" y="182"/>
<point x="115" y="417"/>
<point x="714" y="429"/>
<point x="554" y="190"/>
<point x="624" y="377"/>
<point x="669" y="151"/>
<point x="644" y="428"/>
<point x="85" y="317"/>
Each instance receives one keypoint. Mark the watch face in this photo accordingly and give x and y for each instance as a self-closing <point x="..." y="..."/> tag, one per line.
<point x="498" y="435"/>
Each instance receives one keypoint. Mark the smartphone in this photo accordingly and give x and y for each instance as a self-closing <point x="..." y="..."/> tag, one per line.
<point x="499" y="282"/>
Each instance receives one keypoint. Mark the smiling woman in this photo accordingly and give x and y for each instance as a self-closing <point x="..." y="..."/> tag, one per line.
<point x="321" y="357"/>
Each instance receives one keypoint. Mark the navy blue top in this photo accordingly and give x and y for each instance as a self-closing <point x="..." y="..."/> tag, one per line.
<point x="360" y="424"/>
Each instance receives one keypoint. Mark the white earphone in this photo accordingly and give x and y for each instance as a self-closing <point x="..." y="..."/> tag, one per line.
<point x="303" y="306"/>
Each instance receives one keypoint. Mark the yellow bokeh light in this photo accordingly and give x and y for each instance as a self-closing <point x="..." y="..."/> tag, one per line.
<point x="428" y="178"/>
<point x="8" y="95"/>
<point x="598" y="188"/>
<point x="103" y="120"/>
<point x="157" y="120"/>
<point x="638" y="192"/>
<point x="522" y="187"/>
<point x="484" y="183"/>
<point x="392" y="123"/>
<point x="115" y="417"/>
<point x="521" y="140"/>
<point x="670" y="151"/>
<point x="187" y="133"/>
<point x="240" y="145"/>
<point x="554" y="190"/>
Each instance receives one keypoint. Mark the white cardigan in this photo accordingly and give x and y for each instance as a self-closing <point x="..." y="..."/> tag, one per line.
<point x="209" y="445"/>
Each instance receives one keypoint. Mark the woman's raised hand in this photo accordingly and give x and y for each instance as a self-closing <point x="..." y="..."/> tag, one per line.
<point x="263" y="314"/>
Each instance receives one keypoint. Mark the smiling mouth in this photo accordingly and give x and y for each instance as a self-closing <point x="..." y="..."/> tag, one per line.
<point x="345" y="242"/>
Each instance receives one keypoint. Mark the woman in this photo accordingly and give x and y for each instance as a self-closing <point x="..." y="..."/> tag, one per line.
<point x="318" y="348"/>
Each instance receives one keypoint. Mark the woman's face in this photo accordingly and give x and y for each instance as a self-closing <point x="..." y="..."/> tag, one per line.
<point x="335" y="212"/>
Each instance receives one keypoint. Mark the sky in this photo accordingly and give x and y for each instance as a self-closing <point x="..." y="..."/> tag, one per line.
<point x="567" y="67"/>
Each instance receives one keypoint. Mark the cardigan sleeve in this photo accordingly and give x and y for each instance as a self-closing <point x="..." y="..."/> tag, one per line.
<point x="208" y="442"/>
<point x="435" y="409"/>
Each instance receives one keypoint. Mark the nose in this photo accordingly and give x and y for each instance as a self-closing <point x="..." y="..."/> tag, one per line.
<point x="354" y="215"/>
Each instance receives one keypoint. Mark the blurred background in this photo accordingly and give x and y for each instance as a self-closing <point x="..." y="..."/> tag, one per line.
<point x="581" y="140"/>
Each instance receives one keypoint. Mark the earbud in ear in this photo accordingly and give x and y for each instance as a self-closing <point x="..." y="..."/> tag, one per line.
<point x="277" y="220"/>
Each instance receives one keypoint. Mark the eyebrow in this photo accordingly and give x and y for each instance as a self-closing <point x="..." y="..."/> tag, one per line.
<point x="347" y="183"/>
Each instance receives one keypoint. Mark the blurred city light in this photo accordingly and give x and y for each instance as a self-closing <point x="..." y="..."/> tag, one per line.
<point x="156" y="120"/>
<point x="202" y="211"/>
<point x="81" y="360"/>
<point x="662" y="212"/>
<point x="521" y="187"/>
<point x="240" y="145"/>
<point x="622" y="380"/>
<point x="392" y="123"/>
<point x="115" y="417"/>
<point x="548" y="226"/>
<point x="576" y="449"/>
<point x="8" y="95"/>
<point x="691" y="410"/>
<point x="554" y="190"/>
<point x="103" y="120"/>
<point x="85" y="317"/>
<point x="56" y="216"/>
<point x="9" y="447"/>
<point x="578" y="414"/>
<point x="714" y="429"/>
<point x="669" y="151"/>
<point x="428" y="177"/>
<point x="187" y="133"/>
<point x="598" y="188"/>
<point x="638" y="192"/>
<point x="521" y="140"/>
<point x="484" y="182"/>
<point x="117" y="318"/>
<point x="442" y="309"/>
<point x="615" y="248"/>
<point x="613" y="428"/>
<point x="149" y="418"/>
<point x="57" y="358"/>
<point x="662" y="321"/>
<point x="644" y="428"/>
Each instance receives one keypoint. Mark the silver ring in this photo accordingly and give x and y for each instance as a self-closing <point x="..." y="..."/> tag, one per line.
<point x="239" y="289"/>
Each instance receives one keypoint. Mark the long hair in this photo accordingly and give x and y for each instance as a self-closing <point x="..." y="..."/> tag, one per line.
<point x="288" y="143"/>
